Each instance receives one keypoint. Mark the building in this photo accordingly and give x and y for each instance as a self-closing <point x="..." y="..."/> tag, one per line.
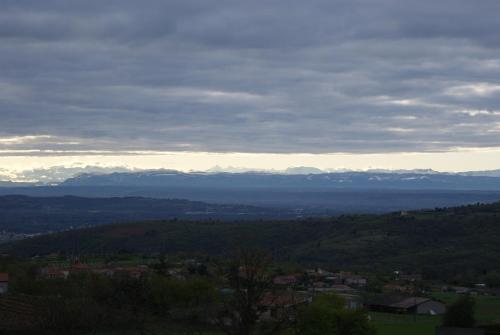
<point x="355" y="280"/>
<point x="395" y="288"/>
<point x="460" y="289"/>
<point x="408" y="305"/>
<point x="4" y="283"/>
<point x="132" y="272"/>
<point x="352" y="301"/>
<point x="281" y="305"/>
<point x="54" y="273"/>
<point x="79" y="267"/>
<point x="415" y="305"/>
<point x="410" y="277"/>
<point x="285" y="280"/>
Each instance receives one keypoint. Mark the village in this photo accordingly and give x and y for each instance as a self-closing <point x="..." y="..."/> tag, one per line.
<point x="401" y="296"/>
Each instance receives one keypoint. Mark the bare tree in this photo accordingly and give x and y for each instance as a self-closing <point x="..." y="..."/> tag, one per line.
<point x="248" y="280"/>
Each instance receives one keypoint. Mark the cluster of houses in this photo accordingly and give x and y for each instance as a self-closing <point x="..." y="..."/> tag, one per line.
<point x="281" y="299"/>
<point x="7" y="236"/>
<point x="317" y="281"/>
<point x="62" y="272"/>
<point x="287" y="291"/>
<point x="398" y="296"/>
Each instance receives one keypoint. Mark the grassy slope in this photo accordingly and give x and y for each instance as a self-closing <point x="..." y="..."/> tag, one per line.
<point x="487" y="307"/>
<point x="397" y="324"/>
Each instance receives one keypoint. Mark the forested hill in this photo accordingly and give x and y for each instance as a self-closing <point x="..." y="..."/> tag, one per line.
<point x="437" y="242"/>
<point x="23" y="214"/>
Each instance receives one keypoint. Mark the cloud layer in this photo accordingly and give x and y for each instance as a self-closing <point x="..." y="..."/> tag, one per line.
<point x="249" y="76"/>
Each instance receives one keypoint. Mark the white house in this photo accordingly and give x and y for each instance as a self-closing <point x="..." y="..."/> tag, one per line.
<point x="4" y="283"/>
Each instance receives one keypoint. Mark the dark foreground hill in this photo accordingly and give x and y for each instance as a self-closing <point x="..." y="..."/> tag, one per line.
<point x="439" y="243"/>
<point x="22" y="214"/>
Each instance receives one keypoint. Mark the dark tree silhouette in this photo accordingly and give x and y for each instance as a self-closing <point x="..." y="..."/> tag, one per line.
<point x="460" y="313"/>
<point x="247" y="278"/>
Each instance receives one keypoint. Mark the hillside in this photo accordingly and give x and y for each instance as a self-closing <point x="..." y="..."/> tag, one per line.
<point x="7" y="183"/>
<point x="23" y="214"/>
<point x="440" y="242"/>
<point x="308" y="202"/>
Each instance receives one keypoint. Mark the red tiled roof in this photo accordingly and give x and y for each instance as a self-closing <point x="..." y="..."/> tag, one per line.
<point x="281" y="299"/>
<point x="4" y="277"/>
<point x="80" y="266"/>
<point x="285" y="280"/>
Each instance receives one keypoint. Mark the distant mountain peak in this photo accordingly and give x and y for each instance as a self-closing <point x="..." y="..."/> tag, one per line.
<point x="303" y="170"/>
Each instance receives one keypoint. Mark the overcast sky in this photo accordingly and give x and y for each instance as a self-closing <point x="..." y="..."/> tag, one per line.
<point x="114" y="78"/>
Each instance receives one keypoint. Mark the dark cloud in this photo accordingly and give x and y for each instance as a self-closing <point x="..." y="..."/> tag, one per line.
<point x="249" y="76"/>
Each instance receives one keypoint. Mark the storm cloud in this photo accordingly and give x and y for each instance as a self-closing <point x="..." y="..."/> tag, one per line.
<point x="285" y="76"/>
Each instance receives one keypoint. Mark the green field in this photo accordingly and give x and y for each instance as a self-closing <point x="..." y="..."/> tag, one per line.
<point x="397" y="324"/>
<point x="487" y="307"/>
<point x="487" y="313"/>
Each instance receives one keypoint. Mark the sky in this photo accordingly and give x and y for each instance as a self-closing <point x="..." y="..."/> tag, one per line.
<point x="263" y="84"/>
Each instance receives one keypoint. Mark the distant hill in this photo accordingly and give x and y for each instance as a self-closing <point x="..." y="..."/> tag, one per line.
<point x="22" y="214"/>
<point x="442" y="242"/>
<point x="305" y="202"/>
<point x="294" y="181"/>
<point x="487" y="173"/>
<point x="306" y="194"/>
<point x="7" y="183"/>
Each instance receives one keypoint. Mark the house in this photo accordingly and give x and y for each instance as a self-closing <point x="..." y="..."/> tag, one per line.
<point x="105" y="272"/>
<point x="319" y="273"/>
<point x="355" y="280"/>
<point x="4" y="283"/>
<point x="281" y="305"/>
<point x="395" y="288"/>
<point x="54" y="273"/>
<point x="132" y="272"/>
<point x="78" y="267"/>
<point x="352" y="301"/>
<point x="460" y="290"/>
<point x="320" y="284"/>
<point x="285" y="280"/>
<point x="410" y="277"/>
<point x="342" y="288"/>
<point x="416" y="305"/>
<point x="337" y="288"/>
<point x="177" y="273"/>
<point x="333" y="280"/>
<point x="408" y="305"/>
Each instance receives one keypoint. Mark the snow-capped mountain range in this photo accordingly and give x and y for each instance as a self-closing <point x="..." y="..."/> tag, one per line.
<point x="292" y="177"/>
